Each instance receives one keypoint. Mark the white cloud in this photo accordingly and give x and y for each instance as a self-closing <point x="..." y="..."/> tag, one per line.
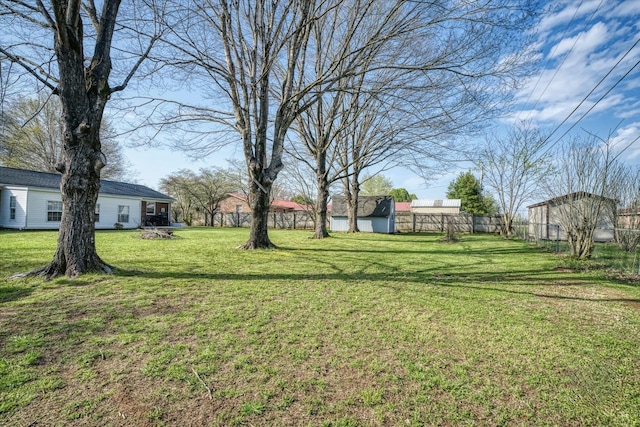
<point x="564" y="13"/>
<point x="625" y="9"/>
<point x="578" y="62"/>
<point x="628" y="136"/>
<point x="583" y="42"/>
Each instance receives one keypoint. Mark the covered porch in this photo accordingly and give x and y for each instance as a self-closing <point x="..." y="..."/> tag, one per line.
<point x="155" y="213"/>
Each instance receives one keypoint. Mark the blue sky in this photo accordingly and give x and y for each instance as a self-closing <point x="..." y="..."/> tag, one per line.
<point x="579" y="43"/>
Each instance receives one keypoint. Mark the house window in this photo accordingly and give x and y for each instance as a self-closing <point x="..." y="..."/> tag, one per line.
<point x="151" y="208"/>
<point x="96" y="214"/>
<point x="12" y="207"/>
<point x="123" y="213"/>
<point x="54" y="211"/>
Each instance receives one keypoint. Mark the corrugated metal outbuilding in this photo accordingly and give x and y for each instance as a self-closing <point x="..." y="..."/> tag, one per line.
<point x="437" y="206"/>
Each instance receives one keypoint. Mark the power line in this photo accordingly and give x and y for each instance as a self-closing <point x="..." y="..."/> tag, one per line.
<point x="600" y="99"/>
<point x="566" y="29"/>
<point x="589" y="94"/>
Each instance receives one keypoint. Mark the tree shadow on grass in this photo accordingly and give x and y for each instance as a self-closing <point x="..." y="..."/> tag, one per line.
<point x="481" y="282"/>
<point x="12" y="293"/>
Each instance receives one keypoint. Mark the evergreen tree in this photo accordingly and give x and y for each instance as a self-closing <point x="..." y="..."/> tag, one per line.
<point x="402" y="195"/>
<point x="467" y="188"/>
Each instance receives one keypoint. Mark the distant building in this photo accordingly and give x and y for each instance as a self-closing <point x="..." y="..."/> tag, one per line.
<point x="237" y="203"/>
<point x="403" y="207"/>
<point x="437" y="206"/>
<point x="629" y="217"/>
<point x="376" y="214"/>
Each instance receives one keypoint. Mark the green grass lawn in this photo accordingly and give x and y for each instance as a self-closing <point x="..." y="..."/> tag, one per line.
<point x="355" y="330"/>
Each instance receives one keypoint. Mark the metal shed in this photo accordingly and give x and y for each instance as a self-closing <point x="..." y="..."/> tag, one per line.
<point x="439" y="206"/>
<point x="544" y="216"/>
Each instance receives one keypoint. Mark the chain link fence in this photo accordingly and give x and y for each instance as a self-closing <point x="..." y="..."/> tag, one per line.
<point x="622" y="253"/>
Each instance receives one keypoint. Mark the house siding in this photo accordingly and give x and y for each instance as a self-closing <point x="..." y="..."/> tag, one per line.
<point x="37" y="209"/>
<point x="21" y="195"/>
<point x="338" y="223"/>
<point x="365" y="225"/>
<point x="35" y="218"/>
<point x="230" y="203"/>
<point x="109" y="212"/>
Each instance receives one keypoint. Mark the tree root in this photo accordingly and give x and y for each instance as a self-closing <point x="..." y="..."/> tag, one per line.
<point x="255" y="246"/>
<point x="53" y="270"/>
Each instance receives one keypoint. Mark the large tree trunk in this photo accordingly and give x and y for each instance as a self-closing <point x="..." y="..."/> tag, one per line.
<point x="259" y="202"/>
<point x="76" y="253"/>
<point x="352" y="204"/>
<point x="321" y="231"/>
<point x="323" y="196"/>
<point x="83" y="90"/>
<point x="79" y="187"/>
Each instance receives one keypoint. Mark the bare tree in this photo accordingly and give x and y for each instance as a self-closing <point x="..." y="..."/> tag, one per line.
<point x="413" y="96"/>
<point x="238" y="47"/>
<point x="320" y="126"/>
<point x="585" y="188"/>
<point x="66" y="48"/>
<point x="514" y="166"/>
<point x="7" y="81"/>
<point x="210" y="186"/>
<point x="368" y="139"/>
<point x="34" y="135"/>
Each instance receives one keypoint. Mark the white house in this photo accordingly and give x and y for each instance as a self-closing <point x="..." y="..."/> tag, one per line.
<point x="376" y="214"/>
<point x="32" y="200"/>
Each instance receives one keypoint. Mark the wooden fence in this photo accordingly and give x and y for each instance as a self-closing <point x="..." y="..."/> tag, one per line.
<point x="405" y="221"/>
<point x="289" y="220"/>
<point x="437" y="223"/>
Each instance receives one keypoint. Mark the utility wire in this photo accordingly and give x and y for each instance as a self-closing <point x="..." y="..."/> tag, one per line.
<point x="551" y="55"/>
<point x="600" y="99"/>
<point x="589" y="94"/>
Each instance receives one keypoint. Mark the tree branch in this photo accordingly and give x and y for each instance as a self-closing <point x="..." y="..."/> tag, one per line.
<point x="31" y="68"/>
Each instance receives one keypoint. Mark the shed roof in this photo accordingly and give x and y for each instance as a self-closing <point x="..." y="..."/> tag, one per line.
<point x="436" y="203"/>
<point x="368" y="206"/>
<point x="576" y="195"/>
<point x="27" y="178"/>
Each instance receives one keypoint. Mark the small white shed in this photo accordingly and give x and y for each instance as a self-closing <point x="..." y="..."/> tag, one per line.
<point x="376" y="214"/>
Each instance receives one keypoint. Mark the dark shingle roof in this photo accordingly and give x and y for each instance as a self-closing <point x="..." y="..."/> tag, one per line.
<point x="11" y="176"/>
<point x="368" y="206"/>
